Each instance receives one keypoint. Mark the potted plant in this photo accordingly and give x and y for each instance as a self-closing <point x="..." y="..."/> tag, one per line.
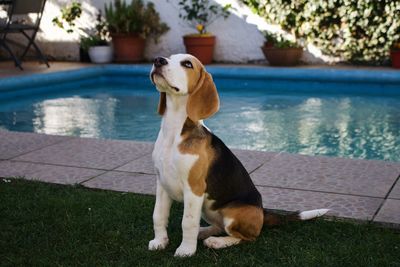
<point x="200" y="14"/>
<point x="98" y="47"/>
<point x="129" y="26"/>
<point x="395" y="55"/>
<point x="280" y="51"/>
<point x="93" y="42"/>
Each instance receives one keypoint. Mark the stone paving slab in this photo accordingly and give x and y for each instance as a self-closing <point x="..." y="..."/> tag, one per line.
<point x="251" y="160"/>
<point x="335" y="175"/>
<point x="390" y="212"/>
<point x="125" y="182"/>
<point x="345" y="206"/>
<point x="13" y="144"/>
<point x="395" y="193"/>
<point x="141" y="165"/>
<point x="46" y="173"/>
<point x="89" y="153"/>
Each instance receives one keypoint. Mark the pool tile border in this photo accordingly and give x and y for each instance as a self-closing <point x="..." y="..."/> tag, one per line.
<point x="304" y="182"/>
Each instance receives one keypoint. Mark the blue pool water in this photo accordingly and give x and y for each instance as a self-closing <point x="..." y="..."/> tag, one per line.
<point x="345" y="125"/>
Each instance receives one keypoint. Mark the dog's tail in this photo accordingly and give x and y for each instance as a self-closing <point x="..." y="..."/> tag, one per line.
<point x="273" y="218"/>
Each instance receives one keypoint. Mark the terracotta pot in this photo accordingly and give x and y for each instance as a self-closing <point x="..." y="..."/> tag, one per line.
<point x="268" y="44"/>
<point x="395" y="57"/>
<point x="201" y="47"/>
<point x="282" y="56"/>
<point x="128" y="47"/>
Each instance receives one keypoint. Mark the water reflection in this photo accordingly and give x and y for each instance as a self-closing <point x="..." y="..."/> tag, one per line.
<point x="75" y="116"/>
<point x="355" y="127"/>
<point x="348" y="126"/>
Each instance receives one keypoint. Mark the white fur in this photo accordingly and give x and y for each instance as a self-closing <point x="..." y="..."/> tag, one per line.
<point x="311" y="214"/>
<point x="160" y="218"/>
<point x="227" y="223"/>
<point x="190" y="223"/>
<point x="174" y="75"/>
<point x="173" y="167"/>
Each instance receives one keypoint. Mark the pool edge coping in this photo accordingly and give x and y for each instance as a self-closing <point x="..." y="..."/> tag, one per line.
<point x="237" y="73"/>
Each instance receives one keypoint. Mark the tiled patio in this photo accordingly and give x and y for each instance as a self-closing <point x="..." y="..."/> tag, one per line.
<point x="353" y="189"/>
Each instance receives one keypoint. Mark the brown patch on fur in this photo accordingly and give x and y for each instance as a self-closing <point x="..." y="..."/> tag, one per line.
<point x="247" y="221"/>
<point x="203" y="99"/>
<point x="197" y="142"/>
<point x="162" y="103"/>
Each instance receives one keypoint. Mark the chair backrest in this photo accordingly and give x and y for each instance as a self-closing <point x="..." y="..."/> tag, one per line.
<point x="23" y="7"/>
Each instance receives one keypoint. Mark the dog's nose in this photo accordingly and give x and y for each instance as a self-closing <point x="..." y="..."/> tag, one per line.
<point x="160" y="61"/>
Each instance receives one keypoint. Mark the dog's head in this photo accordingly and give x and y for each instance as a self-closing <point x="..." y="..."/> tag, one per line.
<point x="184" y="75"/>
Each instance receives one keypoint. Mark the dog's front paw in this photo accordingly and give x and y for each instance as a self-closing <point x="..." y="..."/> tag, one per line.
<point x="185" y="251"/>
<point x="158" y="244"/>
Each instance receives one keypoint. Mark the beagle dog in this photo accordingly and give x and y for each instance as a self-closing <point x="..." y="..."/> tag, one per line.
<point x="195" y="166"/>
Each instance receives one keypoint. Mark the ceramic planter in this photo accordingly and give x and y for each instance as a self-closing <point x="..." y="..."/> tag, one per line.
<point x="282" y="56"/>
<point x="200" y="46"/>
<point x="128" y="47"/>
<point x="395" y="58"/>
<point x="101" y="54"/>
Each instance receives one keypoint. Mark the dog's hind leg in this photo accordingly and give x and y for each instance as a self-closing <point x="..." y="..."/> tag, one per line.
<point x="242" y="223"/>
<point x="209" y="231"/>
<point x="221" y="241"/>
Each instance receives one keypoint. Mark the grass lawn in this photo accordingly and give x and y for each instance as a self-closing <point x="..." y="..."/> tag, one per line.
<point x="53" y="225"/>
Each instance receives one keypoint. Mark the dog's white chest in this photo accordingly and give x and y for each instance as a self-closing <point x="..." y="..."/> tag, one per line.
<point x="173" y="167"/>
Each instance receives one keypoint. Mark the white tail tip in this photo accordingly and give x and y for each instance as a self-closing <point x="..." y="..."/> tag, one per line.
<point x="311" y="214"/>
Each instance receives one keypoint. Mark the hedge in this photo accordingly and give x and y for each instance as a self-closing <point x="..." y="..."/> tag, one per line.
<point x="358" y="31"/>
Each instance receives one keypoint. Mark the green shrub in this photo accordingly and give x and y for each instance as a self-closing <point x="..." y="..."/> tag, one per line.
<point x="359" y="31"/>
<point x="279" y="41"/>
<point x="134" y="18"/>
<point x="69" y="14"/>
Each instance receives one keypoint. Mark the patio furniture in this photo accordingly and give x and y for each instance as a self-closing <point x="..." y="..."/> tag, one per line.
<point x="19" y="23"/>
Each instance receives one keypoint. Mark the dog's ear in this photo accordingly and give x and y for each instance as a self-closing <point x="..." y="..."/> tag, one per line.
<point x="203" y="100"/>
<point x="162" y="103"/>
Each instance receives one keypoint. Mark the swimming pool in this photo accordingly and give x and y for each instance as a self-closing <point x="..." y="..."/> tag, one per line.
<point x="306" y="116"/>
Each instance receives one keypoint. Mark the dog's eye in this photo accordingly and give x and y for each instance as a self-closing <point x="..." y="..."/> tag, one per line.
<point x="187" y="64"/>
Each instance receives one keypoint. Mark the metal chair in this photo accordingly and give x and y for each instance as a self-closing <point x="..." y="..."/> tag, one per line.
<point x="22" y="8"/>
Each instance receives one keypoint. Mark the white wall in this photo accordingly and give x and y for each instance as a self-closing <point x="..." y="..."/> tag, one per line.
<point x="238" y="37"/>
